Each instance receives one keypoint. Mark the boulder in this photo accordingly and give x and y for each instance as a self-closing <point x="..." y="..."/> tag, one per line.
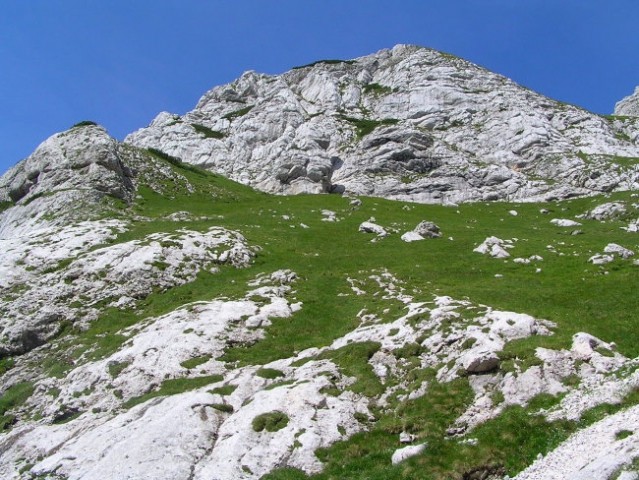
<point x="370" y="227"/>
<point x="618" y="250"/>
<point x="402" y="454"/>
<point x="600" y="259"/>
<point x="411" y="237"/>
<point x="427" y="230"/>
<point x="480" y="360"/>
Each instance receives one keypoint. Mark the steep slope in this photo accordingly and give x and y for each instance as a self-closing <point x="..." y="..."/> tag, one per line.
<point x="407" y="123"/>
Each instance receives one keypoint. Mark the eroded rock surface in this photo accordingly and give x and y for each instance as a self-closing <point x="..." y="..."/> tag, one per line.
<point x="407" y="123"/>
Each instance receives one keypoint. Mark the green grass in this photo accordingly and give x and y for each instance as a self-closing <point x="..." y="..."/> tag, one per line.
<point x="365" y="126"/>
<point x="5" y="205"/>
<point x="353" y="362"/>
<point x="271" y="421"/>
<point x="238" y="113"/>
<point x="195" y="361"/>
<point x="116" y="368"/>
<point x="224" y="390"/>
<point x="13" y="397"/>
<point x="376" y="89"/>
<point x="174" y="386"/>
<point x="269" y="373"/>
<point x="207" y="132"/>
<point x="569" y="291"/>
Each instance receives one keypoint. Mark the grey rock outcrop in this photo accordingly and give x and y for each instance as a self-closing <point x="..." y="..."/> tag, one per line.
<point x="408" y="123"/>
<point x="628" y="106"/>
<point x="64" y="179"/>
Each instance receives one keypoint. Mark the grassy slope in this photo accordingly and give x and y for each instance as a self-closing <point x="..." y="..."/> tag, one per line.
<point x="569" y="291"/>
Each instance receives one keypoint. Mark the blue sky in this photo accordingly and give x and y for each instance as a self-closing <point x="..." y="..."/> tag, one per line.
<point x="120" y="62"/>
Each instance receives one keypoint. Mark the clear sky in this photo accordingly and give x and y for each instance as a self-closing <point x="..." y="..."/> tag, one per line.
<point x="120" y="62"/>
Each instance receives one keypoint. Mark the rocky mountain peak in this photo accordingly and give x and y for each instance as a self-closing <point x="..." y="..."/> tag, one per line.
<point x="408" y="123"/>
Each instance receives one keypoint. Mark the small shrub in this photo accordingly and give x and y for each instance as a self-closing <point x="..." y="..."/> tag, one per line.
<point x="271" y="421"/>
<point x="84" y="123"/>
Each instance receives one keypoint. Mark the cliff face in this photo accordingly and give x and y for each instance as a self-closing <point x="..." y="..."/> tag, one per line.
<point x="407" y="123"/>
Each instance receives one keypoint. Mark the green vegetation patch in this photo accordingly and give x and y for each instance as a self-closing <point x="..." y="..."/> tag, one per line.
<point x="207" y="132"/>
<point x="12" y="398"/>
<point x="223" y="407"/>
<point x="271" y="421"/>
<point x="269" y="373"/>
<point x="195" y="361"/>
<point x="84" y="123"/>
<point x="173" y="387"/>
<point x="224" y="390"/>
<point x="5" y="205"/>
<point x="377" y="89"/>
<point x="238" y="113"/>
<point x="116" y="368"/>
<point x="365" y="126"/>
<point x="352" y="360"/>
<point x="6" y="364"/>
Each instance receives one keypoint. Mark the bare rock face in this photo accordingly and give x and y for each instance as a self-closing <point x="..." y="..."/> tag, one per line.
<point x="408" y="123"/>
<point x="68" y="174"/>
<point x="628" y="106"/>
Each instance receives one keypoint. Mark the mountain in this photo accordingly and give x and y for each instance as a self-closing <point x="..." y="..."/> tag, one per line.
<point x="408" y="123"/>
<point x="160" y="320"/>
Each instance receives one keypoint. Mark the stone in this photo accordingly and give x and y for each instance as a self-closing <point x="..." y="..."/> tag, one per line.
<point x="493" y="246"/>
<point x="411" y="237"/>
<point x="618" y="250"/>
<point x="427" y="229"/>
<point x="606" y="211"/>
<point x="370" y="227"/>
<point x="600" y="259"/>
<point x="403" y="453"/>
<point x="405" y="437"/>
<point x="479" y="360"/>
<point x="564" y="222"/>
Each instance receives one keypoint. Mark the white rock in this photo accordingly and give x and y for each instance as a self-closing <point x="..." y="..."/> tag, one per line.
<point x="600" y="259"/>
<point x="618" y="250"/>
<point x="479" y="360"/>
<point x="402" y="454"/>
<point x="370" y="227"/>
<point x="411" y="237"/>
<point x="564" y="222"/>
